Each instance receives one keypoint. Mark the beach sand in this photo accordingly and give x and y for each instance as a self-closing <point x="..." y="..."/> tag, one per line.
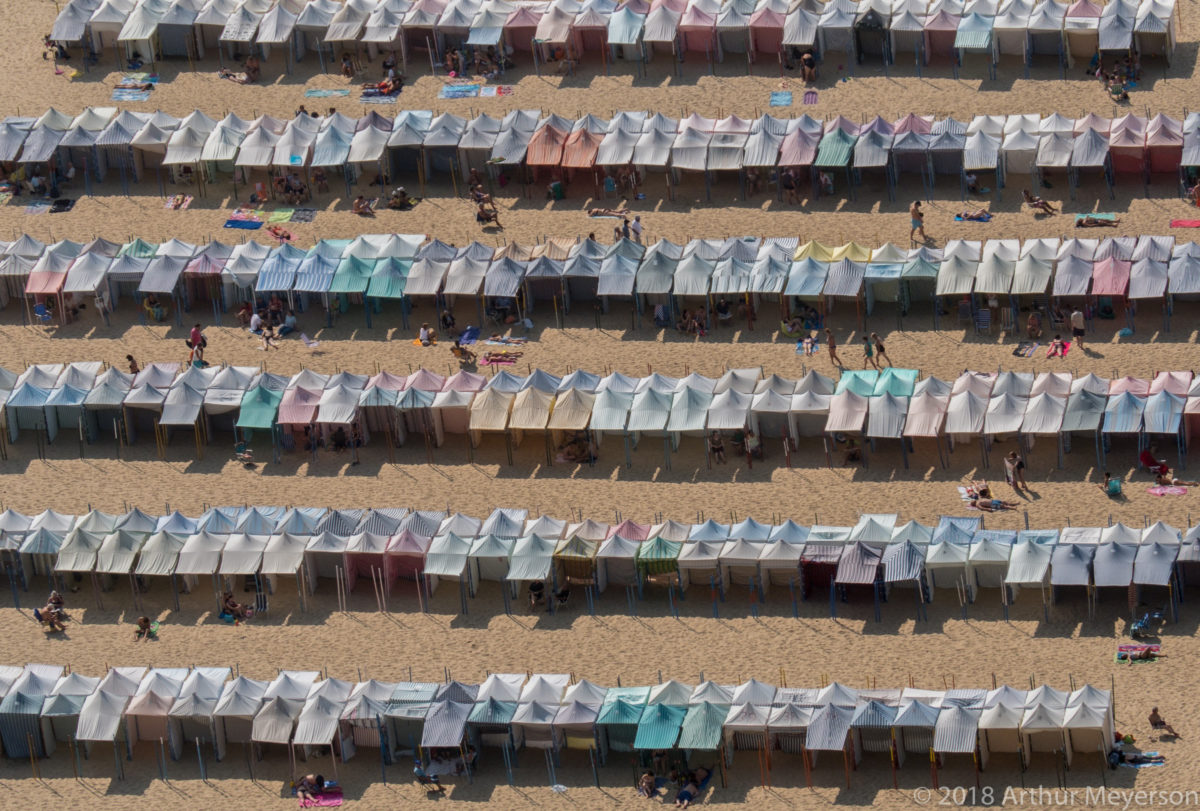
<point x="1067" y="648"/>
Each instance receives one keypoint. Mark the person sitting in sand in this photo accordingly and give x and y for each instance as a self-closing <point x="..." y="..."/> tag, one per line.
<point x="145" y="630"/>
<point x="253" y="69"/>
<point x="1037" y="203"/>
<point x="485" y="215"/>
<point x="233" y="607"/>
<point x="347" y="66"/>
<point x="1167" y="480"/>
<point x="362" y="207"/>
<point x="309" y="786"/>
<point x="1033" y="326"/>
<point x="645" y="785"/>
<point x="400" y="201"/>
<point x="808" y="345"/>
<point x="1058" y="348"/>
<point x="608" y="212"/>
<point x="1157" y="722"/>
<point x="1148" y="460"/>
<point x="975" y="215"/>
<point x="1089" y="221"/>
<point x="462" y="354"/>
<point x="427" y="336"/>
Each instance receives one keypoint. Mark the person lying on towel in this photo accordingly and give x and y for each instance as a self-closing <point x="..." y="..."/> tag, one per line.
<point x="978" y="215"/>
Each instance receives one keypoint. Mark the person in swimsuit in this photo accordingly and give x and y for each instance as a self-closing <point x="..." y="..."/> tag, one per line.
<point x="832" y="344"/>
<point x="716" y="446"/>
<point x="1167" y="480"/>
<point x="869" y="354"/>
<point x="880" y="352"/>
<point x="916" y="218"/>
<point x="1157" y="722"/>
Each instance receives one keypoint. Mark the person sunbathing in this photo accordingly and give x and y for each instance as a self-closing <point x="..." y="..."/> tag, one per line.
<point x="608" y="212"/>
<point x="1141" y="758"/>
<point x="687" y="794"/>
<point x="1057" y="348"/>
<point x="977" y="215"/>
<point x="1146" y="654"/>
<point x="1157" y="722"/>
<point x="990" y="505"/>
<point x="309" y="786"/>
<point x="1037" y="203"/>
<point x="1167" y="480"/>
<point x="1096" y="222"/>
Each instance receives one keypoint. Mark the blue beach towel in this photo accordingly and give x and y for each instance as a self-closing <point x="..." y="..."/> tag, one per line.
<point x="245" y="225"/>
<point x="458" y="91"/>
<point x="469" y="336"/>
<point x="317" y="93"/>
<point x="781" y="98"/>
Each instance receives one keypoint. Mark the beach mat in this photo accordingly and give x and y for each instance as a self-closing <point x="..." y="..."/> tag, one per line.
<point x="318" y="93"/>
<point x="329" y="798"/>
<point x="128" y="94"/>
<point x="960" y="218"/>
<point x="781" y="98"/>
<point x="1104" y="216"/>
<point x="282" y="215"/>
<point x="469" y="336"/>
<point x="1025" y="349"/>
<point x="169" y="205"/>
<point x="245" y="225"/>
<point x="37" y="208"/>
<point x="379" y="99"/>
<point x="303" y="215"/>
<point x="1185" y="223"/>
<point x="810" y="97"/>
<point x="492" y="91"/>
<point x="458" y="91"/>
<point x="1163" y="490"/>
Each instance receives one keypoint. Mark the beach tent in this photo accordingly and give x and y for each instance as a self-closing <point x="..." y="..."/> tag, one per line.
<point x="1154" y="28"/>
<point x="60" y="709"/>
<point x="20" y="711"/>
<point x="233" y="715"/>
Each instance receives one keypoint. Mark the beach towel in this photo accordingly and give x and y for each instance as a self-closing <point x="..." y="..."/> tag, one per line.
<point x="469" y="336"/>
<point x="1143" y="765"/>
<point x="37" y="208"/>
<point x="281" y="215"/>
<point x="62" y="204"/>
<point x="506" y="341"/>
<point x="177" y="202"/>
<point x="245" y="225"/>
<point x="129" y="94"/>
<point x="1163" y="490"/>
<point x="379" y="99"/>
<point x="318" y="93"/>
<point x="303" y="215"/>
<point x="417" y="342"/>
<point x="248" y="214"/>
<point x="1080" y="217"/>
<point x="491" y="91"/>
<point x="138" y="78"/>
<point x="1066" y="349"/>
<point x="810" y="97"/>
<point x="1185" y="223"/>
<point x="498" y="360"/>
<point x="329" y="798"/>
<point x="961" y="218"/>
<point x="1123" y="651"/>
<point x="458" y="91"/>
<point x="5" y="196"/>
<point x="1025" y="349"/>
<point x="781" y="98"/>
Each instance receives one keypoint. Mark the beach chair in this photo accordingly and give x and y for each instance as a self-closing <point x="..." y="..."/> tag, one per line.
<point x="1146" y="625"/>
<point x="964" y="312"/>
<point x="610" y="186"/>
<point x="983" y="321"/>
<point x="42" y="314"/>
<point x="424" y="779"/>
<point x="309" y="343"/>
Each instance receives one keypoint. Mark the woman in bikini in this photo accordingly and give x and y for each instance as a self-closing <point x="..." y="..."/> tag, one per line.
<point x="1167" y="480"/>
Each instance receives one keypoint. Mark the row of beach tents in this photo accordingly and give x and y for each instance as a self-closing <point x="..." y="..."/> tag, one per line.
<point x="750" y="29"/>
<point x="407" y="550"/>
<point x="45" y="707"/>
<point x="418" y="143"/>
<point x="664" y="277"/>
<point x="308" y="408"/>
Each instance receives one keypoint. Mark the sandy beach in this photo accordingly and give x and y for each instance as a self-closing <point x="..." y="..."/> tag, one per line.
<point x="1062" y="647"/>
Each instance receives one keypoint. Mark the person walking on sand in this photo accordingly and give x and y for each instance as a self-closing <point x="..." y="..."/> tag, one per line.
<point x="1078" y="327"/>
<point x="916" y="218"/>
<point x="832" y="344"/>
<point x="880" y="351"/>
<point x="869" y="354"/>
